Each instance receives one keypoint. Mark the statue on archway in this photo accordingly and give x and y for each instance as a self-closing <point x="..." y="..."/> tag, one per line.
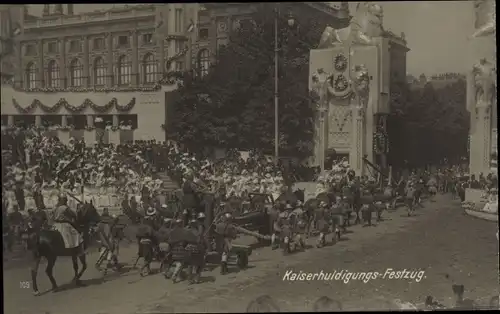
<point x="366" y="24"/>
<point x="361" y="86"/>
<point x="484" y="74"/>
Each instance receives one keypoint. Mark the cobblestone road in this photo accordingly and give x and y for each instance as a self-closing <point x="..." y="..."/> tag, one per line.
<point x="448" y="245"/>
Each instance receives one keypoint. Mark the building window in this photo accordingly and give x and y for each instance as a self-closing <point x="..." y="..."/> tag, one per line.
<point x="203" y="33"/>
<point x="52" y="74"/>
<point x="30" y="50"/>
<point x="179" y="66"/>
<point x="75" y="46"/>
<point x="178" y="20"/>
<point x="52" y="47"/>
<point x="31" y="74"/>
<point x="100" y="72"/>
<point x="147" y="39"/>
<point x="123" y="41"/>
<point x="149" y="69"/>
<point x="76" y="73"/>
<point x="124" y="70"/>
<point x="179" y="44"/>
<point x="203" y="62"/>
<point x="98" y="44"/>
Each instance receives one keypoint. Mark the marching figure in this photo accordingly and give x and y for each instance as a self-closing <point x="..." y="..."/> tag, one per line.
<point x="226" y="232"/>
<point x="321" y="218"/>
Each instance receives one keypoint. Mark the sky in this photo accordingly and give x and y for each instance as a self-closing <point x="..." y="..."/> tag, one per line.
<point x="436" y="32"/>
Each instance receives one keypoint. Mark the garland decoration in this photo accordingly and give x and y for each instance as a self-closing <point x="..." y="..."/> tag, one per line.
<point x="340" y="63"/>
<point x="72" y="108"/>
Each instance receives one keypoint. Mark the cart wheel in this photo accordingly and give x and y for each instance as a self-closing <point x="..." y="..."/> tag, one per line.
<point x="242" y="260"/>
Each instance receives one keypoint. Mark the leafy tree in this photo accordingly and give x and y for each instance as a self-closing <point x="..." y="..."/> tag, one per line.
<point x="238" y="110"/>
<point x="429" y="123"/>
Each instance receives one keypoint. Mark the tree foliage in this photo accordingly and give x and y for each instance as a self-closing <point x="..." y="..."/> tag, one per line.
<point x="237" y="108"/>
<point x="429" y="123"/>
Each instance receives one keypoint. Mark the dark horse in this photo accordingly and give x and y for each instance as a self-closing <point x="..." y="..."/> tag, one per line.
<point x="50" y="244"/>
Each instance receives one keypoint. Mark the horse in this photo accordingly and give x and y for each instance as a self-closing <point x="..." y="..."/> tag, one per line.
<point x="50" y="244"/>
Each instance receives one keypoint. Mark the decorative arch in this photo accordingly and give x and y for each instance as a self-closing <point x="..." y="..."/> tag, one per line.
<point x="100" y="72"/>
<point x="203" y="62"/>
<point x="53" y="74"/>
<point x="124" y="70"/>
<point x="76" y="73"/>
<point x="149" y="69"/>
<point x="31" y="75"/>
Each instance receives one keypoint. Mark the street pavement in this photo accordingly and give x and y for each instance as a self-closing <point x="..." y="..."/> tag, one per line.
<point x="451" y="247"/>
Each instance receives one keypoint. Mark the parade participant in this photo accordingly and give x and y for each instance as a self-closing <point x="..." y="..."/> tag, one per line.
<point x="190" y="199"/>
<point x="147" y="239"/>
<point x="338" y="214"/>
<point x="225" y="232"/>
<point x="299" y="224"/>
<point x="321" y="218"/>
<point x="410" y="195"/>
<point x="15" y="223"/>
<point x="64" y="222"/>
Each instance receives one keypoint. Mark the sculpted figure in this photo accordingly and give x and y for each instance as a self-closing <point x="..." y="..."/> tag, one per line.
<point x="361" y="86"/>
<point x="320" y="86"/>
<point x="366" y="24"/>
<point x="485" y="18"/>
<point x="484" y="75"/>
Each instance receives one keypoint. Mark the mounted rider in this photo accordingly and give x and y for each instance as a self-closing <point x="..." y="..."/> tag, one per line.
<point x="64" y="222"/>
<point x="226" y="232"/>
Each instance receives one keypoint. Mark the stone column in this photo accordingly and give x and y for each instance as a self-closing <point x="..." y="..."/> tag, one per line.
<point x="161" y="61"/>
<point x="41" y="70"/>
<point x="135" y="59"/>
<point x="481" y="142"/>
<point x="64" y="121"/>
<point x="86" y="64"/>
<point x="323" y="140"/>
<point x="38" y="120"/>
<point x="116" y="121"/>
<point x="356" y="155"/>
<point x="111" y="73"/>
<point x="63" y="75"/>
<point x="90" y="121"/>
<point x="19" y="77"/>
<point x="10" y="120"/>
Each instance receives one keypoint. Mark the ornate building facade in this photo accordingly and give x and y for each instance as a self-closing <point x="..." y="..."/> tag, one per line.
<point x="118" y="65"/>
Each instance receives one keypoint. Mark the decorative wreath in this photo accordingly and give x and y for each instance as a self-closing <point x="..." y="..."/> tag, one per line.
<point x="340" y="83"/>
<point x="74" y="109"/>
<point x="340" y="63"/>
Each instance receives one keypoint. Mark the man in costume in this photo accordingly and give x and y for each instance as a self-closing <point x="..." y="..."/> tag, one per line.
<point x="64" y="222"/>
<point x="225" y="232"/>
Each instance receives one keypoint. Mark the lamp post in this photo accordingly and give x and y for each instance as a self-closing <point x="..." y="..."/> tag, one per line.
<point x="291" y="23"/>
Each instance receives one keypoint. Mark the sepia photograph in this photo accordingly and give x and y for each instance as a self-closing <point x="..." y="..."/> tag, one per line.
<point x="249" y="157"/>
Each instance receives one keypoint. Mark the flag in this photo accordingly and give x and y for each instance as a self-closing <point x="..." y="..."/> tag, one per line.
<point x="191" y="26"/>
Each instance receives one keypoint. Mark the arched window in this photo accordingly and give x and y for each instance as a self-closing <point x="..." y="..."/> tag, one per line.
<point x="149" y="68"/>
<point x="203" y="62"/>
<point x="31" y="75"/>
<point x="100" y="72"/>
<point x="52" y="74"/>
<point x="76" y="73"/>
<point x="124" y="70"/>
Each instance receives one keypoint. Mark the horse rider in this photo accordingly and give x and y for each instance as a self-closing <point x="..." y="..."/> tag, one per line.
<point x="226" y="232"/>
<point x="64" y="222"/>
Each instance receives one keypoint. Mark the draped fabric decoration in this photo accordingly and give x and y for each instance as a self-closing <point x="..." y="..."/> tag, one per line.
<point x="74" y="109"/>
